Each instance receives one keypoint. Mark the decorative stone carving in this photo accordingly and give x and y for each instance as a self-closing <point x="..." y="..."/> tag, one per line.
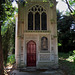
<point x="44" y="43"/>
<point x="37" y="8"/>
<point x="44" y="57"/>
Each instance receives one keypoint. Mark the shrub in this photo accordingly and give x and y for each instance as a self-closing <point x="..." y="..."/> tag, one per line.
<point x="72" y="57"/>
<point x="11" y="59"/>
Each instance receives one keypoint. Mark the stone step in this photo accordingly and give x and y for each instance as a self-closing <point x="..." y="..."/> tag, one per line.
<point x="27" y="69"/>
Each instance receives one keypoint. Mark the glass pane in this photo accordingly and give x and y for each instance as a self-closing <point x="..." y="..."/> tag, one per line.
<point x="37" y="21"/>
<point x="30" y="21"/>
<point x="44" y="21"/>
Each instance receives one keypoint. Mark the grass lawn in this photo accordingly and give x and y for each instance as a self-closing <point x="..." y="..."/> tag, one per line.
<point x="66" y="63"/>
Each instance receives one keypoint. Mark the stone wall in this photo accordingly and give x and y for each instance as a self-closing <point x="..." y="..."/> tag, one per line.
<point x="44" y="58"/>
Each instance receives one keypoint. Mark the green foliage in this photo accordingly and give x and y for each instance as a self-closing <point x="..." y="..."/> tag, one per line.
<point x="71" y="6"/>
<point x="74" y="52"/>
<point x="70" y="53"/>
<point x="51" y="4"/>
<point x="71" y="2"/>
<point x="63" y="55"/>
<point x="65" y="36"/>
<point x="8" y="29"/>
<point x="72" y="57"/>
<point x="59" y="44"/>
<point x="11" y="59"/>
<point x="44" y="0"/>
<point x="67" y="65"/>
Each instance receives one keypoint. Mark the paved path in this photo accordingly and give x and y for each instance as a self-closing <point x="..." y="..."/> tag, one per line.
<point x="55" y="72"/>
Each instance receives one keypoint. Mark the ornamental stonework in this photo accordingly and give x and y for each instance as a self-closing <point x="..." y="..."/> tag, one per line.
<point x="44" y="57"/>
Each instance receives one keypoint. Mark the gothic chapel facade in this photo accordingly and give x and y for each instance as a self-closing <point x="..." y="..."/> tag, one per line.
<point x="36" y="35"/>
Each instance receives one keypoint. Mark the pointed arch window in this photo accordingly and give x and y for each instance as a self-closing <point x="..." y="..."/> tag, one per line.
<point x="30" y="21"/>
<point x="37" y="21"/>
<point x="37" y="18"/>
<point x="44" y="21"/>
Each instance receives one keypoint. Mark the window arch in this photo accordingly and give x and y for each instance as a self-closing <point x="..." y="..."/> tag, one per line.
<point x="44" y="21"/>
<point x="30" y="21"/>
<point x="37" y="18"/>
<point x="44" y="43"/>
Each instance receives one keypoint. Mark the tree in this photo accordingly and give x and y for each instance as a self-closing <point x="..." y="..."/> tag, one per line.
<point x="8" y="39"/>
<point x="65" y="36"/>
<point x="1" y="54"/>
<point x="2" y="17"/>
<point x="71" y="4"/>
<point x="8" y="32"/>
<point x="5" y="14"/>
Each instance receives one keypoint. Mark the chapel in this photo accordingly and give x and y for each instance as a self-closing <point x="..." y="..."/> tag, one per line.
<point x="36" y="34"/>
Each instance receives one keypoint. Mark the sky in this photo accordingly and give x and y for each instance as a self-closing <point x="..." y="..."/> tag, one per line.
<point x="61" y="6"/>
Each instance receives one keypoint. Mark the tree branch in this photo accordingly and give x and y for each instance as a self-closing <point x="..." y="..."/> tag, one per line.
<point x="69" y="6"/>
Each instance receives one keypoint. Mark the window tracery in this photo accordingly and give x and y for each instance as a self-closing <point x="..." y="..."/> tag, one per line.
<point x="37" y="18"/>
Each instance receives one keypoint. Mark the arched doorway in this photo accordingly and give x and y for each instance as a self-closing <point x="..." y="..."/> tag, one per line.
<point x="31" y="54"/>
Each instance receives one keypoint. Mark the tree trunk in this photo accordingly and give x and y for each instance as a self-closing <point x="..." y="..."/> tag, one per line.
<point x="1" y="55"/>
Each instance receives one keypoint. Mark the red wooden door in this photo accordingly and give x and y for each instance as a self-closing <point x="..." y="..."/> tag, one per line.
<point x="31" y="54"/>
